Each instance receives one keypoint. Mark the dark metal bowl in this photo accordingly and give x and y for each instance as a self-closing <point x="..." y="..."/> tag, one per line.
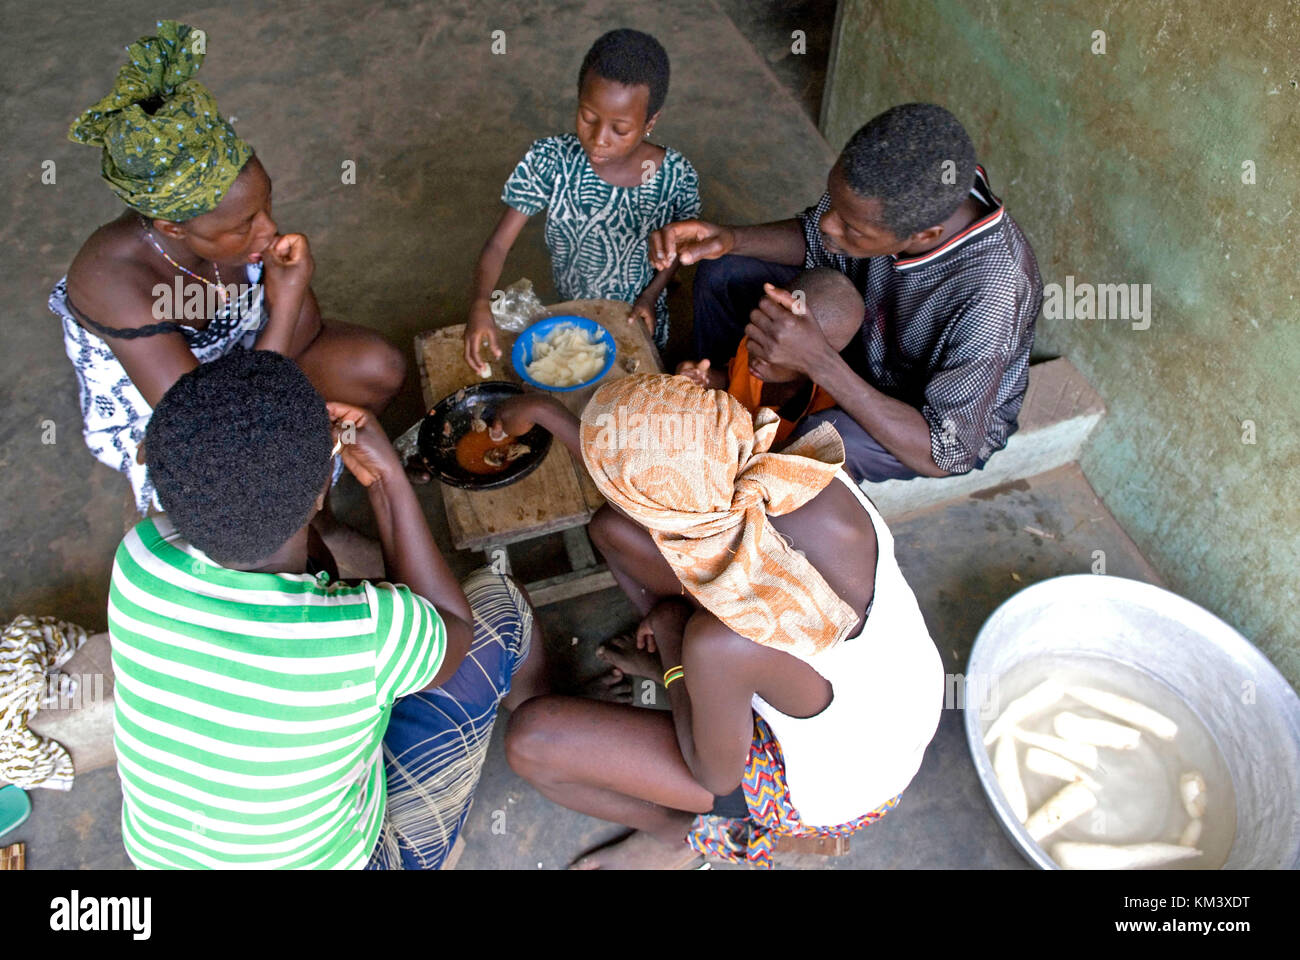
<point x="458" y="409"/>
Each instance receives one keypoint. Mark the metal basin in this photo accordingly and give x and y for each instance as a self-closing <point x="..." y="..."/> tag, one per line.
<point x="1247" y="706"/>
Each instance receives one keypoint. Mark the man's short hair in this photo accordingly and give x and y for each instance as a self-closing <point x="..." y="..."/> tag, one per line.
<point x="631" y="58"/>
<point x="917" y="160"/>
<point x="238" y="450"/>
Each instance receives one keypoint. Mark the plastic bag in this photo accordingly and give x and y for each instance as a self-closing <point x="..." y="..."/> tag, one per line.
<point x="517" y="306"/>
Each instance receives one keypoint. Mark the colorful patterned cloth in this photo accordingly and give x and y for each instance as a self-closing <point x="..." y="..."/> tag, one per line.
<point x="177" y="160"/>
<point x="771" y="814"/>
<point x="597" y="233"/>
<point x="31" y="651"/>
<point x="706" y="505"/>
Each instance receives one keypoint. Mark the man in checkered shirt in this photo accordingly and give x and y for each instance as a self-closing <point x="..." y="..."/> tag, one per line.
<point x="949" y="283"/>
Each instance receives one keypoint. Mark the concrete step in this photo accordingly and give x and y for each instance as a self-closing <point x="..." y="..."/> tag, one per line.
<point x="1059" y="412"/>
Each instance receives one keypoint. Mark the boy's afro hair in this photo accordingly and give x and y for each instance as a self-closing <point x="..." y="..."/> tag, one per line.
<point x="238" y="450"/>
<point x="630" y="57"/>
<point x="902" y="158"/>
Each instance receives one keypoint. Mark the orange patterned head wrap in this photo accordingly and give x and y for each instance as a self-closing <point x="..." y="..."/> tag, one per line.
<point x="693" y="468"/>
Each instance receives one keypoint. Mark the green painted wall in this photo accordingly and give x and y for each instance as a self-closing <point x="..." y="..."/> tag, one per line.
<point x="1126" y="167"/>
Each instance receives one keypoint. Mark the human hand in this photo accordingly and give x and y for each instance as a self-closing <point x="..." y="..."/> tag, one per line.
<point x="516" y="415"/>
<point x="695" y="372"/>
<point x="643" y="310"/>
<point x="689" y="241"/>
<point x="363" y="445"/>
<point x="782" y="333"/>
<point x="481" y="327"/>
<point x="288" y="266"/>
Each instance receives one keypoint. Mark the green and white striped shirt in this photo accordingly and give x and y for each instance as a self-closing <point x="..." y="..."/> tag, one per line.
<point x="251" y="707"/>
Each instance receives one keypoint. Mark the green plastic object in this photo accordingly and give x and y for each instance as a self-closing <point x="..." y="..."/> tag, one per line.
<point x="15" y="808"/>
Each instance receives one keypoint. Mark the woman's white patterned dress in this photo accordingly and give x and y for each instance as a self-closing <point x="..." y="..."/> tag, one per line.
<point x="114" y="412"/>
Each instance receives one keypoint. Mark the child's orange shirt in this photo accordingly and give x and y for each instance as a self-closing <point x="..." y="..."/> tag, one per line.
<point x="748" y="389"/>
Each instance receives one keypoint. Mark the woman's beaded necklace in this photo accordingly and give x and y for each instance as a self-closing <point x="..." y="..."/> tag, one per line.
<point x="220" y="287"/>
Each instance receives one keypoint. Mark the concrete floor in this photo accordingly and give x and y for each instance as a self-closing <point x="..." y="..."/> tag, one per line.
<point x="435" y="122"/>
<point x="962" y="559"/>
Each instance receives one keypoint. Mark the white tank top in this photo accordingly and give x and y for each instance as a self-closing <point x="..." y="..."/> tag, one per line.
<point x="866" y="746"/>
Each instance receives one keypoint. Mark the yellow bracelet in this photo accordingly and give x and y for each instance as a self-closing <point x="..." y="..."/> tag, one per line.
<point x="674" y="673"/>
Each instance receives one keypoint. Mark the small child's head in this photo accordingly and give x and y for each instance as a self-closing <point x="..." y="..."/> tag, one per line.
<point x="834" y="302"/>
<point x="621" y="89"/>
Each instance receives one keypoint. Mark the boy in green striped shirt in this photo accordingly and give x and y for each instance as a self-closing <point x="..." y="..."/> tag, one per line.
<point x="268" y="714"/>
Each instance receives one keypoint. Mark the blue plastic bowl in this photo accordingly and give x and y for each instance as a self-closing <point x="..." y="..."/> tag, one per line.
<point x="522" y="354"/>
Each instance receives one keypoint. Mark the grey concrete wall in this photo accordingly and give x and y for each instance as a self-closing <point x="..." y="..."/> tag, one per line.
<point x="1126" y="167"/>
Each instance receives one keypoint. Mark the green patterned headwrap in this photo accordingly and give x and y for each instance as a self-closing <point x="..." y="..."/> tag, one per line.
<point x="179" y="161"/>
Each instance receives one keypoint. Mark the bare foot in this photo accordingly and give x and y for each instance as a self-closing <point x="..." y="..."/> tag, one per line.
<point x="638" y="851"/>
<point x="622" y="654"/>
<point x="610" y="685"/>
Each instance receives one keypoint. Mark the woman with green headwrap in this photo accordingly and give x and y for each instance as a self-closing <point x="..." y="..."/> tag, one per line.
<point x="195" y="267"/>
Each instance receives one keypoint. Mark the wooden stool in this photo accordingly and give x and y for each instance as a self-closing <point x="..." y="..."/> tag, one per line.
<point x="559" y="496"/>
<point x="13" y="857"/>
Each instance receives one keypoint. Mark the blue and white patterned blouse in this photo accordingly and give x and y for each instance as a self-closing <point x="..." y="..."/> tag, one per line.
<point x="598" y="233"/>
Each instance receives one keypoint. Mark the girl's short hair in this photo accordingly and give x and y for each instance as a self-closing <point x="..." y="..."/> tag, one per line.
<point x="631" y="58"/>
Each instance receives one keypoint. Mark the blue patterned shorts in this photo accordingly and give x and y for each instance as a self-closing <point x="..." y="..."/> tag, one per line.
<point x="437" y="739"/>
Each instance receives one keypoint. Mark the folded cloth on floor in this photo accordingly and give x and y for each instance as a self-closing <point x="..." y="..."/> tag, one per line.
<point x="31" y="651"/>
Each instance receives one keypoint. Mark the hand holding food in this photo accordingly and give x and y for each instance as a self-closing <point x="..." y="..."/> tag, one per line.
<point x="481" y="332"/>
<point x="643" y="311"/>
<point x="364" y="447"/>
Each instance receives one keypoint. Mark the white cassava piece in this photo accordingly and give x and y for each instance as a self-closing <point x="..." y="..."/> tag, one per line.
<point x="1130" y="711"/>
<point x="1068" y="804"/>
<point x="1191" y="787"/>
<point x="1084" y="754"/>
<point x="1050" y="765"/>
<point x="1105" y="856"/>
<point x="1191" y="833"/>
<point x="1039" y="698"/>
<point x="1007" y="769"/>
<point x="1099" y="733"/>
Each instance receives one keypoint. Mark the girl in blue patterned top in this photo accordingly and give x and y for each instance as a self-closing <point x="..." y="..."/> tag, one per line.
<point x="605" y="189"/>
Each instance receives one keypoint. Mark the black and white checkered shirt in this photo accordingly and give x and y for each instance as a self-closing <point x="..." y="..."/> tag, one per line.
<point x="948" y="331"/>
